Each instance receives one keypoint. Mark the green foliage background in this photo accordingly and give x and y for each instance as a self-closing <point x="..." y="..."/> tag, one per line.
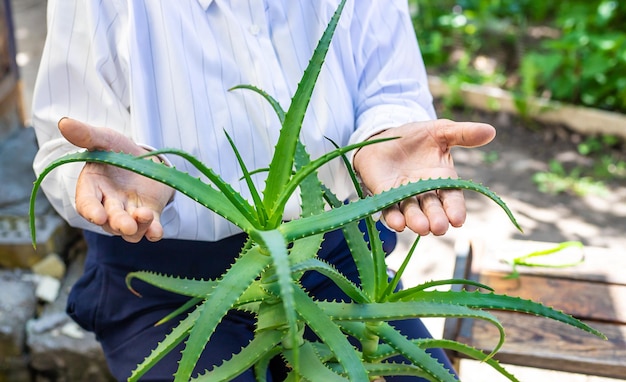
<point x="571" y="50"/>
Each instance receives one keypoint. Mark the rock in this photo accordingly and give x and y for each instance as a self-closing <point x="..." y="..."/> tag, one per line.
<point x="52" y="265"/>
<point x="47" y="288"/>
<point x="53" y="234"/>
<point x="17" y="305"/>
<point x="59" y="349"/>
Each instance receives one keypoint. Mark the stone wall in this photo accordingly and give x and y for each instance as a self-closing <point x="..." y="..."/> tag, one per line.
<point x="38" y="341"/>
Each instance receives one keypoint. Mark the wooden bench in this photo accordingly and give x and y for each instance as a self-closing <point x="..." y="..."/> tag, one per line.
<point x="593" y="291"/>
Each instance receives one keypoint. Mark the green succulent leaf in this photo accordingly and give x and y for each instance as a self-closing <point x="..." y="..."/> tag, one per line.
<point x="418" y="356"/>
<point x="359" y="249"/>
<point x="312" y="368"/>
<point x="246" y="269"/>
<point x="229" y="192"/>
<point x="280" y="112"/>
<point x="182" y="286"/>
<point x="312" y="204"/>
<point x="192" y="187"/>
<point x="173" y="339"/>
<point x="281" y="165"/>
<point x="298" y="178"/>
<point x="258" y="203"/>
<point x="348" y="287"/>
<point x="494" y="301"/>
<point x="256" y="350"/>
<point x="275" y="245"/>
<point x="362" y="208"/>
<point x="330" y="334"/>
<point x="186" y="307"/>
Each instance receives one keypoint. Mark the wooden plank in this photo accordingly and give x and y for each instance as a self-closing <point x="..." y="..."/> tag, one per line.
<point x="544" y="343"/>
<point x="600" y="264"/>
<point x="583" y="300"/>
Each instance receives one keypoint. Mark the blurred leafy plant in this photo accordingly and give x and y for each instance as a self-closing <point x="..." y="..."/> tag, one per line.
<point x="558" y="180"/>
<point x="579" y="55"/>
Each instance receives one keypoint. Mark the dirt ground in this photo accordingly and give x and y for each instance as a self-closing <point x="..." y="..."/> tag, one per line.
<point x="519" y="151"/>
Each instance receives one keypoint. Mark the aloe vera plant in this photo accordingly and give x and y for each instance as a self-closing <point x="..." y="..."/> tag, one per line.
<point x="264" y="278"/>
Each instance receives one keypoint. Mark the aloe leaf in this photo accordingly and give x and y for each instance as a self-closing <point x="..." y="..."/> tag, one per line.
<point x="235" y="197"/>
<point x="400" y="310"/>
<point x="404" y="294"/>
<point x="393" y="284"/>
<point x="282" y="162"/>
<point x="280" y="112"/>
<point x="257" y="348"/>
<point x="185" y="183"/>
<point x="347" y="286"/>
<point x="359" y="250"/>
<point x="311" y="191"/>
<point x="191" y="287"/>
<point x="312" y="198"/>
<point x="329" y="333"/>
<point x="500" y="302"/>
<point x="351" y="172"/>
<point x="261" y="367"/>
<point x="378" y="254"/>
<point x="182" y="309"/>
<point x="416" y="355"/>
<point x="182" y="286"/>
<point x="233" y="284"/>
<point x="313" y="369"/>
<point x="395" y="369"/>
<point x="361" y="208"/>
<point x="260" y="208"/>
<point x="308" y="170"/>
<point x="385" y="351"/>
<point x="276" y="246"/>
<point x="386" y="311"/>
<point x="175" y="337"/>
<point x="469" y="351"/>
<point x="375" y="244"/>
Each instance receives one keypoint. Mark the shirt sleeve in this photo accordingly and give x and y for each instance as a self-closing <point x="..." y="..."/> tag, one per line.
<point x="80" y="76"/>
<point x="392" y="82"/>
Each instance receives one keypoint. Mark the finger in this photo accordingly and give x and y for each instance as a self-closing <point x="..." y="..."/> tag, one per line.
<point x="142" y="221"/>
<point x="96" y="138"/>
<point x="453" y="203"/>
<point x="119" y="218"/>
<point x="434" y="211"/>
<point x="89" y="203"/>
<point x="393" y="218"/>
<point x="414" y="217"/>
<point x="428" y="215"/>
<point x="155" y="231"/>
<point x="466" y="134"/>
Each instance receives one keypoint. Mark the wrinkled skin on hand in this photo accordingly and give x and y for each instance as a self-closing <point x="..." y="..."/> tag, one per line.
<point x="121" y="202"/>
<point x="421" y="152"/>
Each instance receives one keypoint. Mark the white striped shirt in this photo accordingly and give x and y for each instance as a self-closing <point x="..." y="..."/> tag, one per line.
<point x="159" y="72"/>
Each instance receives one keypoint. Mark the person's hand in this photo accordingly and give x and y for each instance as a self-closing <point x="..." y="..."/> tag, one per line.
<point x="421" y="152"/>
<point x="121" y="202"/>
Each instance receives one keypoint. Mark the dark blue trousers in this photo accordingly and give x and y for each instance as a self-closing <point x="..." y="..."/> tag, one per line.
<point x="124" y="323"/>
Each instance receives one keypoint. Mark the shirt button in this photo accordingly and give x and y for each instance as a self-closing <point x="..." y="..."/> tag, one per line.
<point x="255" y="29"/>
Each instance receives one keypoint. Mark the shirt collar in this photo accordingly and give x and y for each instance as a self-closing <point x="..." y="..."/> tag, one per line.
<point x="205" y="3"/>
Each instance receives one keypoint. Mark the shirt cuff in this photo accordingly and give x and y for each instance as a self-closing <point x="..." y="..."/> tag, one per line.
<point x="162" y="158"/>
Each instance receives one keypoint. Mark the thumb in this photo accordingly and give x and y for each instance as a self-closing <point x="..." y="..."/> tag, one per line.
<point x="96" y="138"/>
<point x="467" y="134"/>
